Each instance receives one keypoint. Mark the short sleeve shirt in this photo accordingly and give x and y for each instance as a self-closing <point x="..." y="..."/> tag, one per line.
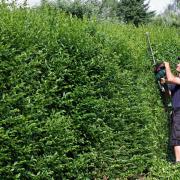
<point x="175" y="93"/>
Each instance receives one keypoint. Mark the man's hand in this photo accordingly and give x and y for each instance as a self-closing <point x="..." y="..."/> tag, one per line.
<point x="162" y="80"/>
<point x="166" y="64"/>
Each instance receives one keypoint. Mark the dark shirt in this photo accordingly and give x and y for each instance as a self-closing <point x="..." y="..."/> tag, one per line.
<point x="175" y="94"/>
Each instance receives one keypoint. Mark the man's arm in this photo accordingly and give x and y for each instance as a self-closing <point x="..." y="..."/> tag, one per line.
<point x="170" y="78"/>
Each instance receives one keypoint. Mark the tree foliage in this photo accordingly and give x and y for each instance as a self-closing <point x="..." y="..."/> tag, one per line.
<point x="101" y="9"/>
<point x="171" y="16"/>
<point x="134" y="11"/>
<point x="174" y="6"/>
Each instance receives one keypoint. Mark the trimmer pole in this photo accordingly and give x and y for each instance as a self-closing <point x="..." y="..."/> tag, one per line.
<point x="150" y="48"/>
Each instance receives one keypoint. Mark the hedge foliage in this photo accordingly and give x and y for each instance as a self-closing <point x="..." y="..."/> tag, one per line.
<point x="78" y="98"/>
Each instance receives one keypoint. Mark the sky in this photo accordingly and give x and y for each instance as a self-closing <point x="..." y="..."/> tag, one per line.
<point x="157" y="5"/>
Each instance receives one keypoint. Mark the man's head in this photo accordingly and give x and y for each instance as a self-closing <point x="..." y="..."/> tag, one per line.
<point x="178" y="67"/>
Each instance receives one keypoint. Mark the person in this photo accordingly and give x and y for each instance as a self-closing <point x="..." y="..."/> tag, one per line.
<point x="174" y="88"/>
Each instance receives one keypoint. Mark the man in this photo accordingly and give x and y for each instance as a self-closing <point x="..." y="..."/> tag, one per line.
<point x="174" y="87"/>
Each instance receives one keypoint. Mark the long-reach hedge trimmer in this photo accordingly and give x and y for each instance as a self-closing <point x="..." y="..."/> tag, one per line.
<point x="160" y="73"/>
<point x="159" y="68"/>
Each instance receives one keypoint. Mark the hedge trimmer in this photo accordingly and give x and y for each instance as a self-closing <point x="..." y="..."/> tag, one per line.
<point x="160" y="73"/>
<point x="159" y="68"/>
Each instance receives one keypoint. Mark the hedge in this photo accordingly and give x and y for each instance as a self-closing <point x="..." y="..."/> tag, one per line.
<point x="78" y="99"/>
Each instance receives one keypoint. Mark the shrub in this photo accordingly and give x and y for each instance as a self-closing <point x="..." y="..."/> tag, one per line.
<point x="78" y="98"/>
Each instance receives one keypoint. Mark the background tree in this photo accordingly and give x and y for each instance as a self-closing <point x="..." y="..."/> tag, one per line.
<point x="175" y="7"/>
<point x="102" y="9"/>
<point x="134" y="11"/>
<point x="171" y="15"/>
<point x="108" y="9"/>
<point x="78" y="8"/>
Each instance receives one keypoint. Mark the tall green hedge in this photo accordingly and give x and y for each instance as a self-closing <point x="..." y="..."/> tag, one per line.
<point x="78" y="98"/>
